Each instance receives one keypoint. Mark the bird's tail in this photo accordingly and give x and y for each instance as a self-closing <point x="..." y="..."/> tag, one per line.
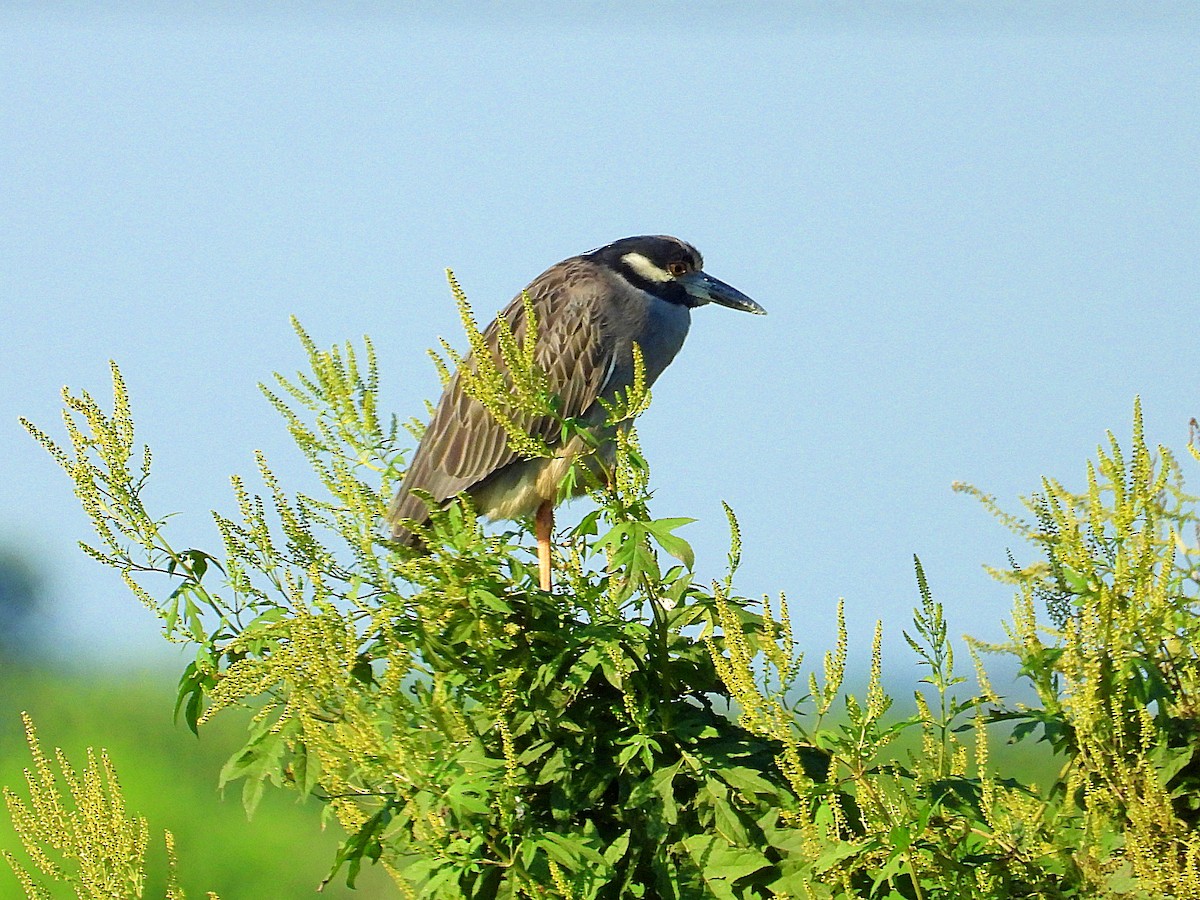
<point x="405" y="510"/>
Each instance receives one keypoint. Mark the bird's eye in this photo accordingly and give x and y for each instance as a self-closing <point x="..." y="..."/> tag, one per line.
<point x="677" y="268"/>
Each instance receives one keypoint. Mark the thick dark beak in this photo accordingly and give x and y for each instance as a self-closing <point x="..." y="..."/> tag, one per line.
<point x="703" y="288"/>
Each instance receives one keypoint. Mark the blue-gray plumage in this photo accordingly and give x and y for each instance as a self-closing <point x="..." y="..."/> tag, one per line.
<point x="590" y="311"/>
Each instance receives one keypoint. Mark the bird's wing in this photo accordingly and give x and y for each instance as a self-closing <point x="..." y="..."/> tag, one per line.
<point x="463" y="443"/>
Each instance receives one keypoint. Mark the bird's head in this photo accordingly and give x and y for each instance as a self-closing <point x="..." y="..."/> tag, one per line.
<point x="672" y="270"/>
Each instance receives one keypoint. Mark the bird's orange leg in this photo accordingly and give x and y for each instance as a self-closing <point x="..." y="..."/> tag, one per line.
<point x="544" y="527"/>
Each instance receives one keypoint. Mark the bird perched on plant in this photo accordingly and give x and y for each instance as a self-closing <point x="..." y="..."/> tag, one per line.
<point x="589" y="311"/>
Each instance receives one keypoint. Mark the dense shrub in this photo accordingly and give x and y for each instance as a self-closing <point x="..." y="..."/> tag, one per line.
<point x="635" y="733"/>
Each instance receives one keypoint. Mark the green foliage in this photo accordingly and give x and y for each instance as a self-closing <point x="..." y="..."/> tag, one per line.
<point x="472" y="733"/>
<point x="635" y="733"/>
<point x="1115" y="675"/>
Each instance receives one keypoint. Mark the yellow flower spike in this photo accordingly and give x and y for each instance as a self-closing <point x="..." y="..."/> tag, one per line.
<point x="560" y="882"/>
<point x="877" y="700"/>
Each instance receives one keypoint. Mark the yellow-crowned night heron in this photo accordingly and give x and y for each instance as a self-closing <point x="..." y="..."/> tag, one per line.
<point x="590" y="310"/>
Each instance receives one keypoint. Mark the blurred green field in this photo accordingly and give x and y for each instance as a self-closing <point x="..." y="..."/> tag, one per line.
<point x="170" y="777"/>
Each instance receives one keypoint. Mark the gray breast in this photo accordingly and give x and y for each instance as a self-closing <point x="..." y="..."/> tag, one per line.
<point x="658" y="327"/>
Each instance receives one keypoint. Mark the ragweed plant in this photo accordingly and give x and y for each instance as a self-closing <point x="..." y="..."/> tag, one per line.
<point x="471" y="733"/>
<point x="1114" y="670"/>
<point x="865" y="822"/>
<point x="81" y="837"/>
<point x="1116" y="663"/>
<point x="635" y="733"/>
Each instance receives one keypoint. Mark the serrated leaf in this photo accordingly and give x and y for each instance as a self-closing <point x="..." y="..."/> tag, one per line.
<point x="719" y="862"/>
<point x="661" y="530"/>
<point x="615" y="851"/>
<point x="746" y="780"/>
<point x="553" y="769"/>
<point x="834" y="854"/>
<point x="570" y="852"/>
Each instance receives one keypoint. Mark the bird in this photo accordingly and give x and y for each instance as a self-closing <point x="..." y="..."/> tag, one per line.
<point x="589" y="311"/>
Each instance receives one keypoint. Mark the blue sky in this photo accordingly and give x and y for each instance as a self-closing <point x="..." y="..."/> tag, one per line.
<point x="976" y="230"/>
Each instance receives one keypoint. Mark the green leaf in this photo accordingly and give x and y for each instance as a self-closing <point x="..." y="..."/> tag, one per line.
<point x="800" y="885"/>
<point x="719" y="862"/>
<point x="889" y="870"/>
<point x="1170" y="761"/>
<point x="306" y="768"/>
<point x="615" y="851"/>
<point x="900" y="837"/>
<point x="628" y="752"/>
<point x="662" y="782"/>
<point x="1075" y="581"/>
<point x="492" y="602"/>
<point x="613" y="537"/>
<point x="749" y="782"/>
<point x="570" y="852"/>
<point x="363" y="843"/>
<point x="260" y="761"/>
<point x="193" y="686"/>
<point x="660" y="530"/>
<point x="1123" y="880"/>
<point x="834" y="854"/>
<point x="554" y="768"/>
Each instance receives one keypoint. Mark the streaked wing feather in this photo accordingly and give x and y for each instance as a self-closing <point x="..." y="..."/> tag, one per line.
<point x="464" y="443"/>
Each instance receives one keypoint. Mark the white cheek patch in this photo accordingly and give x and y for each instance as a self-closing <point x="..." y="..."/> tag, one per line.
<point x="645" y="268"/>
